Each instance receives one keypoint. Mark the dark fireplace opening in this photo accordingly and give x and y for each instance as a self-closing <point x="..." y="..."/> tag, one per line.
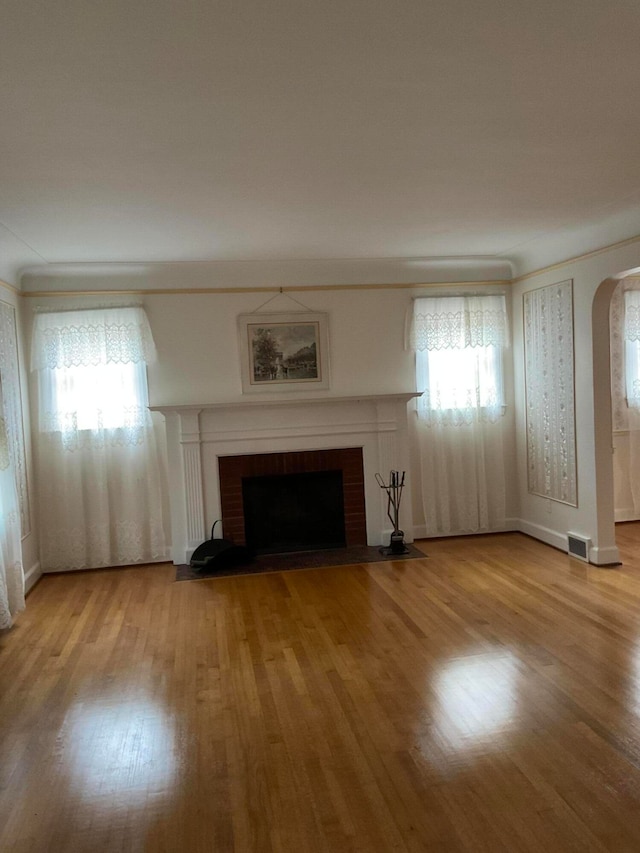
<point x="342" y="464"/>
<point x="294" y="512"/>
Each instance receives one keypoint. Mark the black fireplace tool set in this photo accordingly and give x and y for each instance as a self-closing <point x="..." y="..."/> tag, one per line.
<point x="394" y="490"/>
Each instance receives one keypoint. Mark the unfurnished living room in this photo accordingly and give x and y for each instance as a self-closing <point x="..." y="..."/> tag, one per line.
<point x="319" y="426"/>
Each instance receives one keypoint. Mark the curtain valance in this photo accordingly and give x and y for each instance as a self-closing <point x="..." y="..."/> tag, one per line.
<point x="91" y="337"/>
<point x="454" y="322"/>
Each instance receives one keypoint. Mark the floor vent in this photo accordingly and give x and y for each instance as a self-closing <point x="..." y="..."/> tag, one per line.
<point x="578" y="546"/>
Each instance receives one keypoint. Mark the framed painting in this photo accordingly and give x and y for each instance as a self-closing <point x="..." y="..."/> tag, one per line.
<point x="284" y="352"/>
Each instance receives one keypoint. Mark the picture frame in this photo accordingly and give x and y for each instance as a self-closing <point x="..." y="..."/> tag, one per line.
<point x="284" y="351"/>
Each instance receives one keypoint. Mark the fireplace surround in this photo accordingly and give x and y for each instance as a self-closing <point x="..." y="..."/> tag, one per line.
<point x="199" y="437"/>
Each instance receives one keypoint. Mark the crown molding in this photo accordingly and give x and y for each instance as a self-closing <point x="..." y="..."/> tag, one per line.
<point x="10" y="287"/>
<point x="197" y="291"/>
<point x="577" y="258"/>
<point x="43" y="273"/>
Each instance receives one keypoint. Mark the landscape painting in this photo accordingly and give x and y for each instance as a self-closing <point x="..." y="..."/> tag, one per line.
<point x="283" y="351"/>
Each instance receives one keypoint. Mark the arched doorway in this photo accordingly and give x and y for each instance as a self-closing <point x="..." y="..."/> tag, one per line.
<point x="602" y="408"/>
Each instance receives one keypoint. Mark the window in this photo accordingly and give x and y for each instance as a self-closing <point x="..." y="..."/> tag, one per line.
<point x="478" y="378"/>
<point x="459" y="344"/>
<point x="92" y="372"/>
<point x="99" y="471"/>
<point x="104" y="396"/>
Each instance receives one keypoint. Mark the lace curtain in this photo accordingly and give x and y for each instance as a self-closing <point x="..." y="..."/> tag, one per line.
<point x="459" y="343"/>
<point x="11" y="573"/>
<point x="100" y="474"/>
<point x="12" y="399"/>
<point x="454" y="322"/>
<point x="90" y="338"/>
<point x="632" y="347"/>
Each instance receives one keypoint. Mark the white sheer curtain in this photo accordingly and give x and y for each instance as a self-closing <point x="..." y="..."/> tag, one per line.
<point x="632" y="385"/>
<point x="11" y="573"/>
<point x="100" y="473"/>
<point x="459" y="343"/>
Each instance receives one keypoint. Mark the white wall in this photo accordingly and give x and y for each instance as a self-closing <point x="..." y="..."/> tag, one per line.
<point x="198" y="355"/>
<point x="593" y="284"/>
<point x="197" y="341"/>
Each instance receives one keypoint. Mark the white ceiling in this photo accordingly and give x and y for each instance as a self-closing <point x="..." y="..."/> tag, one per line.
<point x="235" y="130"/>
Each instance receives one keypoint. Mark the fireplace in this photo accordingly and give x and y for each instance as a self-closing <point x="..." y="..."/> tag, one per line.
<point x="294" y="501"/>
<point x="201" y="436"/>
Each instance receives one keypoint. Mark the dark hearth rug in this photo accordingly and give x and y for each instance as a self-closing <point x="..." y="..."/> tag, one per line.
<point x="299" y="560"/>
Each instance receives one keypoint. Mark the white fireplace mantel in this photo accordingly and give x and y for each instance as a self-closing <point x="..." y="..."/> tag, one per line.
<point x="197" y="435"/>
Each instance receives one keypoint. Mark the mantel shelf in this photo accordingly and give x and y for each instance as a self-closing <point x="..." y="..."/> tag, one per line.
<point x="289" y="400"/>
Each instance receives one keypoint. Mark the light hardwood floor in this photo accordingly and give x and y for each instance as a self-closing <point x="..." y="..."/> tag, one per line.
<point x="485" y="698"/>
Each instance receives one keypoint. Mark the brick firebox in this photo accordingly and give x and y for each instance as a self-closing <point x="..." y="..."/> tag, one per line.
<point x="348" y="460"/>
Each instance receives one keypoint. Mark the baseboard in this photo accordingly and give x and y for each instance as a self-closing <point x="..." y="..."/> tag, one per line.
<point x="152" y="562"/>
<point x="32" y="576"/>
<point x="597" y="556"/>
<point x="544" y="534"/>
<point x="511" y="524"/>
<point x="605" y="556"/>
